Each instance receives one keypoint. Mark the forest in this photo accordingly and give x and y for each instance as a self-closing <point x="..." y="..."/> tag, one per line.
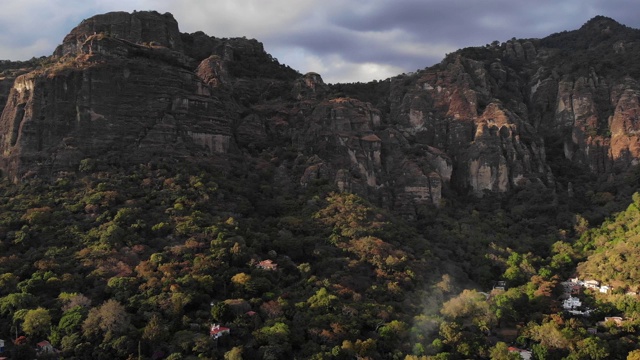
<point x="139" y="262"/>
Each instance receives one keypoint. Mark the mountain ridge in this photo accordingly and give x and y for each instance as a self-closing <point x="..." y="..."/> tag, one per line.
<point x="479" y="121"/>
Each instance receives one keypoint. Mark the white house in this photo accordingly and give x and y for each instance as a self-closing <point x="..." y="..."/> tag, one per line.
<point x="571" y="303"/>
<point x="592" y="284"/>
<point x="605" y="289"/>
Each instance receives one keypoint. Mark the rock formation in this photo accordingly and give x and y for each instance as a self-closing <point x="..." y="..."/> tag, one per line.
<point x="130" y="88"/>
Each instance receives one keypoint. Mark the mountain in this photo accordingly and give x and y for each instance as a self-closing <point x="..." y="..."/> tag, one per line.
<point x="156" y="182"/>
<point x="130" y="88"/>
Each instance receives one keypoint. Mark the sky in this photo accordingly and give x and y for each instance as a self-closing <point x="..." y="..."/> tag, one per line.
<point x="342" y="40"/>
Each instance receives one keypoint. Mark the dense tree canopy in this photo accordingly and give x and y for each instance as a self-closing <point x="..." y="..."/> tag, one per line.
<point x="105" y="264"/>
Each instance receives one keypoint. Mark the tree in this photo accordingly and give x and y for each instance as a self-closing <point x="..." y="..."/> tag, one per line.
<point x="15" y="301"/>
<point x="155" y="331"/>
<point x="539" y="352"/>
<point x="501" y="352"/>
<point x="350" y="216"/>
<point x="593" y="348"/>
<point x="278" y="334"/>
<point x="234" y="354"/>
<point x="549" y="335"/>
<point x="221" y="312"/>
<point x="71" y="321"/>
<point x="272" y="309"/>
<point x="241" y="279"/>
<point x="472" y="306"/>
<point x="321" y="299"/>
<point x="110" y="320"/>
<point x="451" y="333"/>
<point x="23" y="352"/>
<point x="8" y="282"/>
<point x="509" y="305"/>
<point x="71" y="300"/>
<point x="634" y="355"/>
<point x="37" y="322"/>
<point x="393" y="333"/>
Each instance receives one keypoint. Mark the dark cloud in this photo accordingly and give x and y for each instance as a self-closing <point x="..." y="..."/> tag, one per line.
<point x="446" y="24"/>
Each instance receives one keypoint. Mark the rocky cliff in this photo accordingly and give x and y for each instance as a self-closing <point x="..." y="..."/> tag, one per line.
<point x="130" y="88"/>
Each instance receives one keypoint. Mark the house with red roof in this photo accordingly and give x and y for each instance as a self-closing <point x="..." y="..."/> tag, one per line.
<point x="218" y="331"/>
<point x="45" y="347"/>
<point x="524" y="354"/>
<point x="267" y="265"/>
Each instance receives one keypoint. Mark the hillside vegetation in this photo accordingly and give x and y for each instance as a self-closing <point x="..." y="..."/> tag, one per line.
<point x="108" y="263"/>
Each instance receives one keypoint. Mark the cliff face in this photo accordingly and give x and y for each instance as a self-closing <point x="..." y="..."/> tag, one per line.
<point x="113" y="98"/>
<point x="452" y="108"/>
<point x="137" y="28"/>
<point x="130" y="88"/>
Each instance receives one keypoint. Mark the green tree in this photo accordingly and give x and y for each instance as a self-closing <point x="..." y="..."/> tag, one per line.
<point x="155" y="331"/>
<point x="509" y="305"/>
<point x="539" y="352"/>
<point x="501" y="352"/>
<point x="221" y="312"/>
<point x="8" y="283"/>
<point x="593" y="348"/>
<point x="71" y="320"/>
<point x="393" y="334"/>
<point x="234" y="354"/>
<point x="37" y="322"/>
<point x="321" y="299"/>
<point x="15" y="301"/>
<point x="277" y="334"/>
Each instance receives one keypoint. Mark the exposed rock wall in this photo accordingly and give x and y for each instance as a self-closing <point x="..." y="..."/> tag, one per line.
<point x="452" y="109"/>
<point x="144" y="108"/>
<point x="130" y="88"/>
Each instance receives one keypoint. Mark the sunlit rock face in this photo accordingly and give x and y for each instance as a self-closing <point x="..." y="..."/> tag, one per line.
<point x="451" y="108"/>
<point x="625" y="124"/>
<point x="599" y="117"/>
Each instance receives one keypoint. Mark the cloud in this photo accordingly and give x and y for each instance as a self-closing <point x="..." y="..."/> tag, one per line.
<point x="334" y="68"/>
<point x="35" y="27"/>
<point x="250" y="18"/>
<point x="358" y="40"/>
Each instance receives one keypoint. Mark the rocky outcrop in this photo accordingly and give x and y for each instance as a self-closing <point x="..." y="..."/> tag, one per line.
<point x="143" y="27"/>
<point x="625" y="124"/>
<point x="213" y="71"/>
<point x="599" y="120"/>
<point x="350" y="152"/>
<point x="309" y="86"/>
<point x="113" y="98"/>
<point x="340" y="131"/>
<point x="130" y="88"/>
<point x="499" y="158"/>
<point x="452" y="109"/>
